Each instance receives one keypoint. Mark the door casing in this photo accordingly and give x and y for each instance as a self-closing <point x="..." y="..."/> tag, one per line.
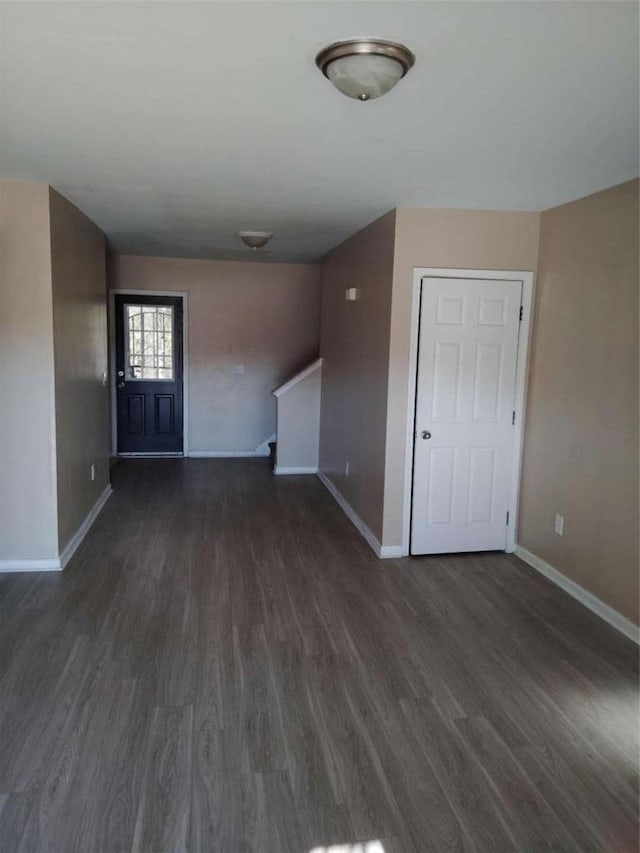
<point x="527" y="279"/>
<point x="185" y="361"/>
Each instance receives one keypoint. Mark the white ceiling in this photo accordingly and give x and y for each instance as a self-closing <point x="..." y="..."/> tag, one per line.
<point x="174" y="125"/>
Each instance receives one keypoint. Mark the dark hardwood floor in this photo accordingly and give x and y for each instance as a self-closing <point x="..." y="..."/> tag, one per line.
<point x="225" y="666"/>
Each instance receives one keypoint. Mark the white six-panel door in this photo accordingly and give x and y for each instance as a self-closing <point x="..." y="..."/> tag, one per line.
<point x="464" y="433"/>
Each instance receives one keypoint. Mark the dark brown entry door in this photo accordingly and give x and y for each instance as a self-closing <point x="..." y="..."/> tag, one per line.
<point x="149" y="373"/>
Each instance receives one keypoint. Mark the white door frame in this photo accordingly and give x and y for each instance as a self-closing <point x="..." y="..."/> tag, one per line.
<point x="527" y="279"/>
<point x="183" y="294"/>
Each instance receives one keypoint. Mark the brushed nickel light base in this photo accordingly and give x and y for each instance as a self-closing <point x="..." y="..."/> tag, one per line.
<point x="255" y="239"/>
<point x="365" y="68"/>
<point x="377" y="47"/>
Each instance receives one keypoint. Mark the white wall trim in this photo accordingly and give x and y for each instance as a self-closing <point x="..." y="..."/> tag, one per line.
<point x="307" y="371"/>
<point x="262" y="451"/>
<point x="389" y="552"/>
<point x="56" y="565"/>
<point x="74" y="543"/>
<point x="280" y="470"/>
<point x="30" y="566"/>
<point x="184" y="295"/>
<point x="595" y="604"/>
<point x="224" y="454"/>
<point x="382" y="551"/>
<point x="527" y="279"/>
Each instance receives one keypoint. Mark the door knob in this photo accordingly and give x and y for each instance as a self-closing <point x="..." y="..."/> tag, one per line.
<point x="426" y="434"/>
<point x="120" y="384"/>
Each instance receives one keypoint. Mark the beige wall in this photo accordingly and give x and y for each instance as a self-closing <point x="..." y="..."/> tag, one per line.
<point x="299" y="424"/>
<point x="464" y="239"/>
<point x="581" y="437"/>
<point x="355" y="348"/>
<point x="264" y="316"/>
<point x="80" y="349"/>
<point x="28" y="525"/>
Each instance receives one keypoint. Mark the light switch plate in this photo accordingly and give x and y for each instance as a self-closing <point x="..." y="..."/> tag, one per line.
<point x="559" y="525"/>
<point x="238" y="368"/>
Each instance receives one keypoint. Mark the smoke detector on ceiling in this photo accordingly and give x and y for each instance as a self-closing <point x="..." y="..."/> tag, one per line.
<point x="255" y="239"/>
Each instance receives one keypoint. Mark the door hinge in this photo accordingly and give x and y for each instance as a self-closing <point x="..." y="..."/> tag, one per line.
<point x="507" y="518"/>
<point x="521" y="312"/>
<point x="513" y="418"/>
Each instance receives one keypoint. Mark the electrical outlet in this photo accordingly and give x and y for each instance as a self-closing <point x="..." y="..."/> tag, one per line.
<point x="347" y="469"/>
<point x="238" y="368"/>
<point x="93" y="473"/>
<point x="559" y="525"/>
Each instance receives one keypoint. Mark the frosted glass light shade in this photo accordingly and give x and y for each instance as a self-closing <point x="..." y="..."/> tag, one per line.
<point x="365" y="68"/>
<point x="364" y="76"/>
<point x="255" y="239"/>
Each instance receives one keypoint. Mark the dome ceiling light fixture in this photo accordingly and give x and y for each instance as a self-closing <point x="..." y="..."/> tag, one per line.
<point x="365" y="68"/>
<point x="255" y="239"/>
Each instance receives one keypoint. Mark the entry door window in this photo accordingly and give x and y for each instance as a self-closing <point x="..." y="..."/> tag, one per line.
<point x="149" y="343"/>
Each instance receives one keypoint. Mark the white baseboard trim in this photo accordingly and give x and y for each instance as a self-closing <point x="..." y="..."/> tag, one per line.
<point x="74" y="543"/>
<point x="56" y="565"/>
<point x="30" y="566"/>
<point x="382" y="551"/>
<point x="596" y="605"/>
<point x="389" y="552"/>
<point x="264" y="449"/>
<point x="222" y="454"/>
<point x="280" y="469"/>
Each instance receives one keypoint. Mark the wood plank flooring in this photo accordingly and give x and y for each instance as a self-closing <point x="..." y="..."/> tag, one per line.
<point x="225" y="666"/>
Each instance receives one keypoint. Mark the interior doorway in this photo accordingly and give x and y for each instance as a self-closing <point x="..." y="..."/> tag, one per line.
<point x="469" y="350"/>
